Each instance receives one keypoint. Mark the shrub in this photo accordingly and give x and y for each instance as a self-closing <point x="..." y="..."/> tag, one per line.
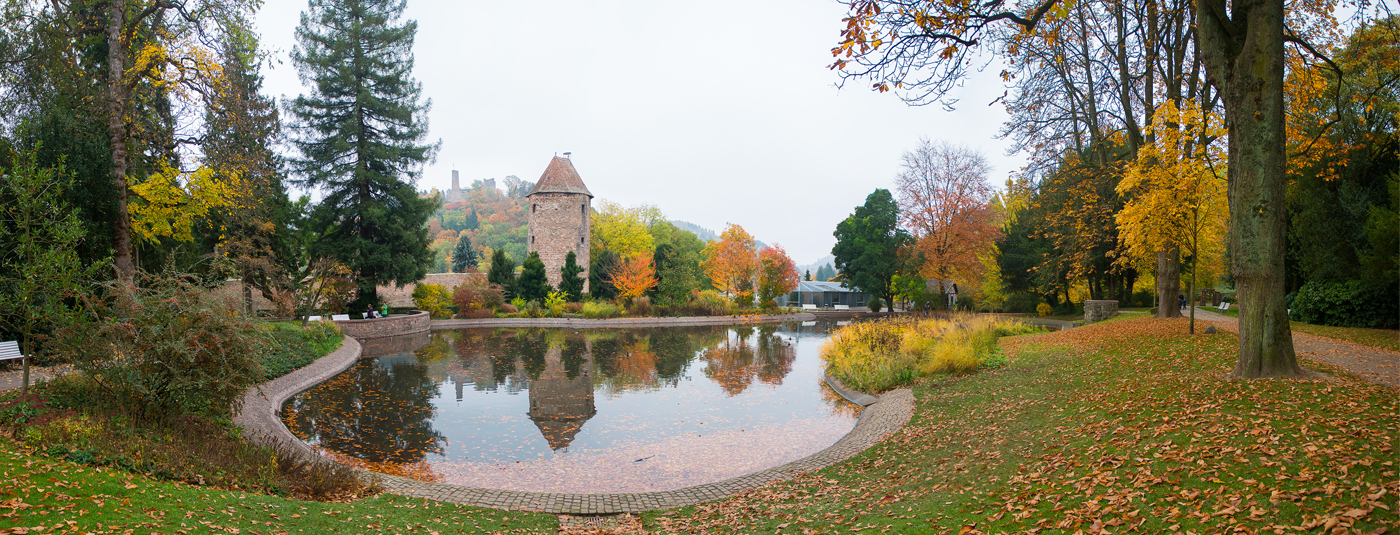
<point x="1350" y="303"/>
<point x="599" y="310"/>
<point x="433" y="299"/>
<point x="475" y="295"/>
<point x="167" y="346"/>
<point x="1141" y="298"/>
<point x="1044" y="309"/>
<point x="641" y="306"/>
<point x="573" y="308"/>
<point x="965" y="303"/>
<point x="876" y="304"/>
<point x="711" y="303"/>
<point x="1022" y="303"/>
<point x="509" y="309"/>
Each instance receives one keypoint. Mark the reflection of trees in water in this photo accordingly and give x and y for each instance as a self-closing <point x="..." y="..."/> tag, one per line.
<point x="530" y="346"/>
<point x="775" y="356"/>
<point x="835" y="404"/>
<point x="574" y="353"/>
<point x="374" y="411"/>
<point x="734" y="364"/>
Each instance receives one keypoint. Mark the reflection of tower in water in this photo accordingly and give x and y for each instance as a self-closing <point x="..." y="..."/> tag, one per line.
<point x="559" y="403"/>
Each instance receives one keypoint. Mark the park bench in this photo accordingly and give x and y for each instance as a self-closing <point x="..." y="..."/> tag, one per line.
<point x="841" y="307"/>
<point x="10" y="351"/>
<point x="1224" y="306"/>
<point x="340" y="317"/>
<point x="809" y="306"/>
<point x="313" y="318"/>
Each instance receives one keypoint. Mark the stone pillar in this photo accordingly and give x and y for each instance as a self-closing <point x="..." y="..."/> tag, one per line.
<point x="1099" y="310"/>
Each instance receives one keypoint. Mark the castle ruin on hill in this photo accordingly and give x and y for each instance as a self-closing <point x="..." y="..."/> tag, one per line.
<point x="457" y="194"/>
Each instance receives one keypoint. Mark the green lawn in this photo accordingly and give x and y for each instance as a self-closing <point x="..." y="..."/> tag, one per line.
<point x="63" y="497"/>
<point x="1120" y="426"/>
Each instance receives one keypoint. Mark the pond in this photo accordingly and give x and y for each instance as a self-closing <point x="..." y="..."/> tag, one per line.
<point x="579" y="411"/>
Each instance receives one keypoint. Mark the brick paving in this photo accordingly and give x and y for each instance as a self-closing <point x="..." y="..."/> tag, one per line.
<point x="258" y="417"/>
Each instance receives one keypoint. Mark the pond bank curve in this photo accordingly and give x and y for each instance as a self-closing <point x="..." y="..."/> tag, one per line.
<point x="260" y="421"/>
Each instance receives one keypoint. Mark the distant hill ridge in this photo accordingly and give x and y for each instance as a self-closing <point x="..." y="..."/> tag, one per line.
<point x="705" y="234"/>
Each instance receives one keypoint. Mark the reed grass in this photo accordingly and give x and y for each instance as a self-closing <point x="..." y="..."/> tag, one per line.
<point x="876" y="356"/>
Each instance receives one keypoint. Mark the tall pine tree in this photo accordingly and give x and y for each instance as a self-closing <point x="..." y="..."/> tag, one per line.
<point x="359" y="132"/>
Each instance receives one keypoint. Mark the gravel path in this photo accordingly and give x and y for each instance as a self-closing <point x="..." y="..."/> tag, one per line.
<point x="1381" y="366"/>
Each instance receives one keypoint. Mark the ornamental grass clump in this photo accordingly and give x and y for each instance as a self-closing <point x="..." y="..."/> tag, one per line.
<point x="876" y="356"/>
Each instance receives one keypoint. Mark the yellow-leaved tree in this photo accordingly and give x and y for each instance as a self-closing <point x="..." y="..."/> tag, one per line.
<point x="170" y="201"/>
<point x="1176" y="191"/>
<point x="624" y="231"/>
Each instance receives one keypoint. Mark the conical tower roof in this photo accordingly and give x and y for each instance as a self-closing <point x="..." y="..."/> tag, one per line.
<point x="560" y="177"/>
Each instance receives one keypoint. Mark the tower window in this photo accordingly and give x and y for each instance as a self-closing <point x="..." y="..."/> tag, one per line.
<point x="583" y="209"/>
<point x="532" y="239"/>
<point x="534" y="207"/>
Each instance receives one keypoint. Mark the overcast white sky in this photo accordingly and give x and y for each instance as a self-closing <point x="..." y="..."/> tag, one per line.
<point x="716" y="112"/>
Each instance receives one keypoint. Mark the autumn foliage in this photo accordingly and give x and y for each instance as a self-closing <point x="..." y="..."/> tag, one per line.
<point x="777" y="275"/>
<point x="731" y="260"/>
<point x="945" y="201"/>
<point x="633" y="276"/>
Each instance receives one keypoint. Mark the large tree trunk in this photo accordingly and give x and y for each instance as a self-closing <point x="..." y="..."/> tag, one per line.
<point x="1168" y="283"/>
<point x="1243" y="53"/>
<point x="116" y="133"/>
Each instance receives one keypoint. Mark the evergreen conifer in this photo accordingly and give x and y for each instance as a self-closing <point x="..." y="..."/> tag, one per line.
<point x="569" y="282"/>
<point x="502" y="272"/>
<point x="358" y="132"/>
<point x="533" y="284"/>
<point x="464" y="256"/>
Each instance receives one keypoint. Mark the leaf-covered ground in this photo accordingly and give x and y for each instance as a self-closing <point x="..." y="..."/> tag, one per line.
<point x="1124" y="426"/>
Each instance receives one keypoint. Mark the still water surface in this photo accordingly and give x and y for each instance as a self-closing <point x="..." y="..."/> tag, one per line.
<point x="587" y="411"/>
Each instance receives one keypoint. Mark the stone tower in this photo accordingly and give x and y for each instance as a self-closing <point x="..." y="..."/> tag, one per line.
<point x="560" y="206"/>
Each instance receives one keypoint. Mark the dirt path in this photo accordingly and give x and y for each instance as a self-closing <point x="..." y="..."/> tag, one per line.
<point x="1374" y="364"/>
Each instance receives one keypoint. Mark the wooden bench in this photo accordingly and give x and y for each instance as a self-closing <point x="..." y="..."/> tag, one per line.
<point x="841" y="307"/>
<point x="340" y="317"/>
<point x="313" y="318"/>
<point x="1224" y="306"/>
<point x="809" y="306"/>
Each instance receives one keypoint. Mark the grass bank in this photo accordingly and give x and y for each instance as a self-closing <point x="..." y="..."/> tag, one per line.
<point x="43" y="495"/>
<point x="81" y="419"/>
<point x="1127" y="425"/>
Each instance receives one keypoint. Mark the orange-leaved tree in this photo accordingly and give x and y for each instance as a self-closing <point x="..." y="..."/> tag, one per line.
<point x="1176" y="190"/>
<point x="945" y="201"/>
<point x="777" y="275"/>
<point x="731" y="260"/>
<point x="633" y="276"/>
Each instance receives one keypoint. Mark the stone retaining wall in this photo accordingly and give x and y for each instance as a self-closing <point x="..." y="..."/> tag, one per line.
<point x="394" y="325"/>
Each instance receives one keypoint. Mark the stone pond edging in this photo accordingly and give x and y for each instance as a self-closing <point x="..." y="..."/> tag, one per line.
<point x="396" y="324"/>
<point x="259" y="419"/>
